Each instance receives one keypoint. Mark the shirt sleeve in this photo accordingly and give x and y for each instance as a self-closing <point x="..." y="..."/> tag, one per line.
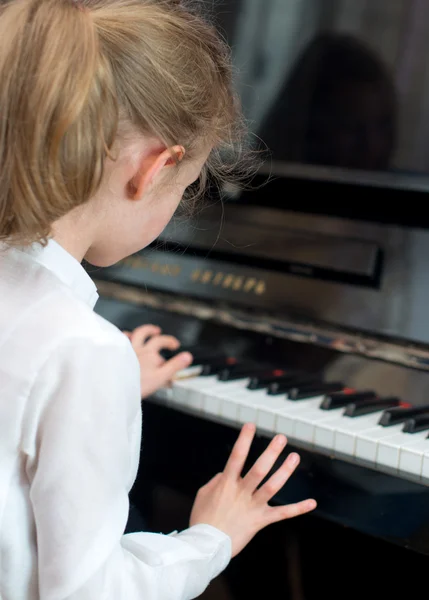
<point x="85" y="414"/>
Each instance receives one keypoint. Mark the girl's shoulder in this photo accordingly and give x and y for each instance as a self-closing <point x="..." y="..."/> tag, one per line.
<point x="39" y="312"/>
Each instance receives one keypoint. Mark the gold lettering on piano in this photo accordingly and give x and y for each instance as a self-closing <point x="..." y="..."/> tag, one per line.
<point x="136" y="262"/>
<point x="250" y="284"/>
<point x="143" y="263"/>
<point x="260" y="288"/>
<point x="227" y="282"/>
<point x="217" y="278"/>
<point x="171" y="270"/>
<point x="206" y="276"/>
<point x="238" y="283"/>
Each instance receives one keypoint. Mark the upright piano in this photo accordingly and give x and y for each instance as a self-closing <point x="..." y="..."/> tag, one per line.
<point x="305" y="299"/>
<point x="305" y="324"/>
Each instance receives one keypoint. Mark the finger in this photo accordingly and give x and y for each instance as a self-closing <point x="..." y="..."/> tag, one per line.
<point x="140" y="335"/>
<point x="163" y="342"/>
<point x="265" y="463"/>
<point x="281" y="513"/>
<point x="149" y="362"/>
<point x="278" y="479"/>
<point x="168" y="370"/>
<point x="240" y="451"/>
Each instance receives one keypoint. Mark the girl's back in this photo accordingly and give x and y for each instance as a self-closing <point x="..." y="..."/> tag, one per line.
<point x="47" y="330"/>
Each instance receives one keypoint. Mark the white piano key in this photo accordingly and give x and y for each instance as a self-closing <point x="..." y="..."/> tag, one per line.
<point x="189" y="392"/>
<point x="259" y="407"/>
<point x="164" y="395"/>
<point x="264" y="409"/>
<point x="286" y="417"/>
<point x="411" y="457"/>
<point x="243" y="405"/>
<point x="232" y="401"/>
<point x="349" y="430"/>
<point x="267" y="414"/>
<point x="214" y="396"/>
<point x="425" y="468"/>
<point x="389" y="449"/>
<point x="339" y="434"/>
<point x="305" y="424"/>
<point x="195" y="382"/>
<point x="189" y="372"/>
<point x="367" y="442"/>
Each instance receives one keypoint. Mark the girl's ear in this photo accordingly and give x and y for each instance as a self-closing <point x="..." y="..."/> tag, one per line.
<point x="149" y="169"/>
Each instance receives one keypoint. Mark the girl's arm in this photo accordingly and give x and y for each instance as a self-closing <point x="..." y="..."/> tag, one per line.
<point x="82" y="442"/>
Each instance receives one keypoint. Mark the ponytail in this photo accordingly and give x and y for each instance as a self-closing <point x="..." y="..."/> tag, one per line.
<point x="69" y="70"/>
<point x="58" y="114"/>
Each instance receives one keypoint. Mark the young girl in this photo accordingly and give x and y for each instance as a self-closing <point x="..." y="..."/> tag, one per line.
<point x="110" y="109"/>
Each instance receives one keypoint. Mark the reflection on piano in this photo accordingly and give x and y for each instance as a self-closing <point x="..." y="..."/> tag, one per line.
<point x="310" y="326"/>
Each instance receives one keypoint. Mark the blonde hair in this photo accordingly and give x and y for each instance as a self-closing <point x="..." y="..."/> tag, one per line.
<point x="72" y="72"/>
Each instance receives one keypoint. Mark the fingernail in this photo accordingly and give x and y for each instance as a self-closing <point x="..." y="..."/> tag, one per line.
<point x="280" y="440"/>
<point x="186" y="358"/>
<point x="294" y="458"/>
<point x="312" y="504"/>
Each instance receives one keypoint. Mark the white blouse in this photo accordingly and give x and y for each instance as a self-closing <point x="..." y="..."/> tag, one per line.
<point x="70" y="426"/>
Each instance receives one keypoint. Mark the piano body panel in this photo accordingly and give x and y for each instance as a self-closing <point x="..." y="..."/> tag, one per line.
<point x="214" y="257"/>
<point x="341" y="356"/>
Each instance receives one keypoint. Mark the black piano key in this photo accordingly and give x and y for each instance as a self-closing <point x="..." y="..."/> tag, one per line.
<point x="203" y="359"/>
<point x="416" y="424"/>
<point x="369" y="406"/>
<point x="332" y="401"/>
<point x="313" y="390"/>
<point x="213" y="367"/>
<point x="276" y="376"/>
<point x="400" y="414"/>
<point x="242" y="370"/>
<point x="282" y="387"/>
<point x="200" y="352"/>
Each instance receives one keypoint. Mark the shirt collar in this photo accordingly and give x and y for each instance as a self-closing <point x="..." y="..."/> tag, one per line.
<point x="55" y="258"/>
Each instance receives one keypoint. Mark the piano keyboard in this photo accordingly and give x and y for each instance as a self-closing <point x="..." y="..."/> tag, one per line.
<point x="384" y="434"/>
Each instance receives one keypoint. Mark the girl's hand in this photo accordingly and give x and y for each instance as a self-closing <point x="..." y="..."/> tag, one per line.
<point x="235" y="504"/>
<point x="155" y="371"/>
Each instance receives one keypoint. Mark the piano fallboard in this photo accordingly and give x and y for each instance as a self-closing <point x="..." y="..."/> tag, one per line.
<point x="366" y="277"/>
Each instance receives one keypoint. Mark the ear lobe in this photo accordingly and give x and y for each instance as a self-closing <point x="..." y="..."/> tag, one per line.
<point x="149" y="169"/>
